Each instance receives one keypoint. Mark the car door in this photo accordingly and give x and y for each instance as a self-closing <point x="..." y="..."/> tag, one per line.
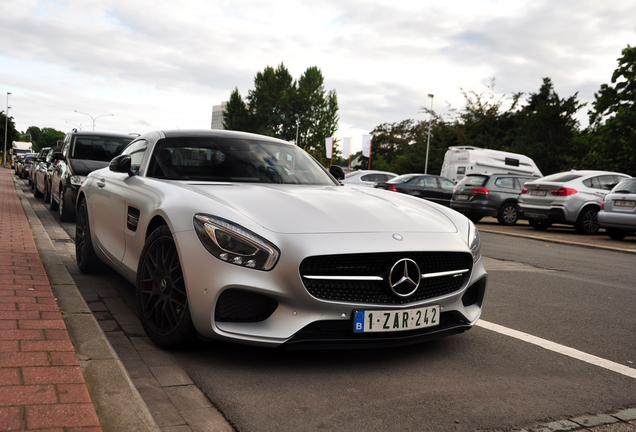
<point x="108" y="206"/>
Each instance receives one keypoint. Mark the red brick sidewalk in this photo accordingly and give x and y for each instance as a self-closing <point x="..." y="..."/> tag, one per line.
<point x="41" y="383"/>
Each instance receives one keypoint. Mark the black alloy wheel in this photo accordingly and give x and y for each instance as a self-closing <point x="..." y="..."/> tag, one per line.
<point x="161" y="292"/>
<point x="53" y="205"/>
<point x="587" y="223"/>
<point x="85" y="256"/>
<point x="508" y="214"/>
<point x="65" y="214"/>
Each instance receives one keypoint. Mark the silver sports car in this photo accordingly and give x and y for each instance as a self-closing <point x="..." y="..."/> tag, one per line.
<point x="242" y="237"/>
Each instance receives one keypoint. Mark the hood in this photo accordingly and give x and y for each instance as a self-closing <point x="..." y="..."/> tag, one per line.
<point x="296" y="209"/>
<point x="84" y="167"/>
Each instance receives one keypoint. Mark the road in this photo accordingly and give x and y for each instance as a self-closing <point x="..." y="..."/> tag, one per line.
<point x="556" y="341"/>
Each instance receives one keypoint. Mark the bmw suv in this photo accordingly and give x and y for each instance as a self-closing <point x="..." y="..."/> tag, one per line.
<point x="479" y="195"/>
<point x="82" y="152"/>
<point x="571" y="198"/>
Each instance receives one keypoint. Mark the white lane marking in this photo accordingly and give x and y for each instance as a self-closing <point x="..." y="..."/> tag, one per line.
<point x="561" y="349"/>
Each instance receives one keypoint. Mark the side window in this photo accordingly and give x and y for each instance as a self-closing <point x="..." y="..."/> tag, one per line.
<point x="136" y="150"/>
<point x="505" y="182"/>
<point x="428" y="182"/>
<point x="607" y="182"/>
<point x="447" y="184"/>
<point x="592" y="183"/>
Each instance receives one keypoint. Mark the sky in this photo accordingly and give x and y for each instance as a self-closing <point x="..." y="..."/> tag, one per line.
<point x="164" y="64"/>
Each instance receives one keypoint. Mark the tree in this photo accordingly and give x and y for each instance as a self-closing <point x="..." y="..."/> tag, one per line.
<point x="281" y="107"/>
<point x="546" y="128"/>
<point x="611" y="137"/>
<point x="12" y="134"/>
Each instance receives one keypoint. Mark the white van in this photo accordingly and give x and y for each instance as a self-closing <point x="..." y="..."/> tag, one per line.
<point x="460" y="161"/>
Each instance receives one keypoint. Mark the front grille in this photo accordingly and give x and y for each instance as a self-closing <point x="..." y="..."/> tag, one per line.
<point x="236" y="305"/>
<point x="379" y="265"/>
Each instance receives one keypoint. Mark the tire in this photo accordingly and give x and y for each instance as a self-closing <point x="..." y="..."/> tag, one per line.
<point x="539" y="225"/>
<point x="587" y="222"/>
<point x="616" y="234"/>
<point x="53" y="205"/>
<point x="161" y="293"/>
<point x="47" y="194"/>
<point x="508" y="214"/>
<point x="36" y="192"/>
<point x="85" y="256"/>
<point x="65" y="214"/>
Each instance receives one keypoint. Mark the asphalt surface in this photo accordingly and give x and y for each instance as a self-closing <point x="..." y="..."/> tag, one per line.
<point x="176" y="404"/>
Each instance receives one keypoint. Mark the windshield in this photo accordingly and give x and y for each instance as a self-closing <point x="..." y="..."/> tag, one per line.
<point x="625" y="186"/>
<point x="473" y="181"/>
<point x="402" y="179"/>
<point x="98" y="148"/>
<point x="234" y="160"/>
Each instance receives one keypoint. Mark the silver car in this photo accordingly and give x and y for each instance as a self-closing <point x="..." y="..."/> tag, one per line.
<point x="618" y="210"/>
<point x="572" y="198"/>
<point x="367" y="177"/>
<point x="247" y="238"/>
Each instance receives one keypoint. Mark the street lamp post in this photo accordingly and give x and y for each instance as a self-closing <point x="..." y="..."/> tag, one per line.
<point x="428" y="141"/>
<point x="93" y="118"/>
<point x="297" y="125"/>
<point x="6" y="127"/>
<point x="75" y="124"/>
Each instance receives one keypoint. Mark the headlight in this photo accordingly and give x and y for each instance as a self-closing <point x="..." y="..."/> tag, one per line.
<point x="474" y="241"/>
<point x="234" y="244"/>
<point x="77" y="180"/>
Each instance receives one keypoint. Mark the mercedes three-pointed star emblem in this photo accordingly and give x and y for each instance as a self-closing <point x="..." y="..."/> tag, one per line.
<point x="404" y="277"/>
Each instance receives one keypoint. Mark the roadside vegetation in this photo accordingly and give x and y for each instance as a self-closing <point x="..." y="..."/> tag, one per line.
<point x="541" y="125"/>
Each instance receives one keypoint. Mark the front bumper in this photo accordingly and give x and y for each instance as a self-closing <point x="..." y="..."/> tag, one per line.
<point x="295" y="318"/>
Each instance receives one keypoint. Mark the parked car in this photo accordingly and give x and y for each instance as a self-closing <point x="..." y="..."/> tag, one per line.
<point x="247" y="238"/>
<point x="572" y="198"/>
<point x="431" y="187"/>
<point x="42" y="175"/>
<point x="19" y="159"/>
<point x="367" y="177"/>
<point x="618" y="210"/>
<point x="24" y="166"/>
<point x="34" y="169"/>
<point x="82" y="152"/>
<point x="479" y="195"/>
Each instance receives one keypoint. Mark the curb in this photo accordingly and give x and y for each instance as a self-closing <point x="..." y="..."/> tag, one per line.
<point x="117" y="401"/>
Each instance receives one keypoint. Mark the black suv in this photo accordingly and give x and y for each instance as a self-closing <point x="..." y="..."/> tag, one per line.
<point x="82" y="152"/>
<point x="479" y="195"/>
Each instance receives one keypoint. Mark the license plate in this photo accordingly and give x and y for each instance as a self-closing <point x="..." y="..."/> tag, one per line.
<point x="538" y="193"/>
<point x="395" y="320"/>
<point x="462" y="197"/>
<point x="622" y="203"/>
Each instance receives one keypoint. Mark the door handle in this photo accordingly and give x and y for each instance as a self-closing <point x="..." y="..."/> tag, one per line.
<point x="100" y="183"/>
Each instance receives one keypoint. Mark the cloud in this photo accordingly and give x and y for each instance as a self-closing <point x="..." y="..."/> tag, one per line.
<point x="160" y="64"/>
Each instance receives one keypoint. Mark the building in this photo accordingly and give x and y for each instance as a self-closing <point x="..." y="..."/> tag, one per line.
<point x="217" y="115"/>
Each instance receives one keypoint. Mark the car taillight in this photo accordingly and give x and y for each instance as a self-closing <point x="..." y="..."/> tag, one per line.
<point x="392" y="188"/>
<point x="481" y="191"/>
<point x="603" y="204"/>
<point x="563" y="192"/>
<point x="524" y="190"/>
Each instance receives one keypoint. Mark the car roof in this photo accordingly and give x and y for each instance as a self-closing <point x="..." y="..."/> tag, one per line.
<point x="218" y="133"/>
<point x="107" y="134"/>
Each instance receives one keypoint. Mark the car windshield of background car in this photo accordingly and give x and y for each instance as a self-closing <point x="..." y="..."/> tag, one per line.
<point x="404" y="178"/>
<point x="98" y="148"/>
<point x="560" y="177"/>
<point x="626" y="186"/>
<point x="234" y="160"/>
<point x="473" y="181"/>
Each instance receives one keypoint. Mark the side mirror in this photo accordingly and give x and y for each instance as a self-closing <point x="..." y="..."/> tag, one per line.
<point x="58" y="156"/>
<point x="336" y="172"/>
<point x="121" y="164"/>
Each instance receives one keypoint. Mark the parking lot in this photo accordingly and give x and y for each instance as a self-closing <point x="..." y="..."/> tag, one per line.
<point x="555" y="346"/>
